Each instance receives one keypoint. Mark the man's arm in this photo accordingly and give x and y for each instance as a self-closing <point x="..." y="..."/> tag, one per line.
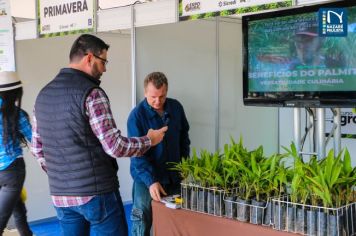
<point x="141" y="168"/>
<point x="104" y="127"/>
<point x="36" y="144"/>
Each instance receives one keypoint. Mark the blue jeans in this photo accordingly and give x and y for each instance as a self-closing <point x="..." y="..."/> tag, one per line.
<point x="103" y="215"/>
<point x="11" y="183"/>
<point x="141" y="214"/>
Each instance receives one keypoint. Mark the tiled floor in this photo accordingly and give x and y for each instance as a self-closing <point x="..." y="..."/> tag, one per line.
<point x="51" y="226"/>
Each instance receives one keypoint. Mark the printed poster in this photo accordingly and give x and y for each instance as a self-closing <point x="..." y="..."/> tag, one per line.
<point x="7" y="55"/>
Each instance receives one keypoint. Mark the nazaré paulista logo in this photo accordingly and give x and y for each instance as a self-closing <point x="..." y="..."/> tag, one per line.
<point x="333" y="22"/>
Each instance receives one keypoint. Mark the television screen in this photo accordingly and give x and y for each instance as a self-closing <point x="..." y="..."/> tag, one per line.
<point x="293" y="58"/>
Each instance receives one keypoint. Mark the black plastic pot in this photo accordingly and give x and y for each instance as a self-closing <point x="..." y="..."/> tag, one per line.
<point x="211" y="202"/>
<point x="202" y="201"/>
<point x="291" y="217"/>
<point x="300" y="226"/>
<point x="349" y="219"/>
<point x="335" y="226"/>
<point x="215" y="203"/>
<point x="242" y="210"/>
<point x="268" y="214"/>
<point x="186" y="197"/>
<point x="194" y="199"/>
<point x="218" y="199"/>
<point x="279" y="216"/>
<point x="256" y="212"/>
<point x="230" y="207"/>
<point x="322" y="228"/>
<point x="311" y="223"/>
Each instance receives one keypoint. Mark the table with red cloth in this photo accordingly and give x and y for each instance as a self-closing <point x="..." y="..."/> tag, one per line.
<point x="178" y="222"/>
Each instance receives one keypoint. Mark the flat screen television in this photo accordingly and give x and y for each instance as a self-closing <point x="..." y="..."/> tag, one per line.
<point x="288" y="62"/>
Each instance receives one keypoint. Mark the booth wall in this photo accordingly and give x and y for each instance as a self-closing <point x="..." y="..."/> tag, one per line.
<point x="186" y="53"/>
<point x="38" y="61"/>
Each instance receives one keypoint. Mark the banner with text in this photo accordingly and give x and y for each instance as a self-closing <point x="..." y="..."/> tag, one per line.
<point x="198" y="9"/>
<point x="7" y="55"/>
<point x="62" y="17"/>
<point x="348" y="122"/>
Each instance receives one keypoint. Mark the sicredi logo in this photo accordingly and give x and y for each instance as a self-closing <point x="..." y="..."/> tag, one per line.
<point x="194" y="6"/>
<point x="333" y="22"/>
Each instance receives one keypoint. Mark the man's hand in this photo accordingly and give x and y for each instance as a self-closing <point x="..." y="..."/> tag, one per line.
<point x="156" y="190"/>
<point x="42" y="162"/>
<point x="157" y="135"/>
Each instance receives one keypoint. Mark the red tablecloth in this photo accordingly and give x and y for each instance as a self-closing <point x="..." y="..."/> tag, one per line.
<point x="172" y="222"/>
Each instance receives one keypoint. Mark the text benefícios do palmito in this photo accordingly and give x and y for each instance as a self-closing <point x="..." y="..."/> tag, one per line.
<point x="303" y="73"/>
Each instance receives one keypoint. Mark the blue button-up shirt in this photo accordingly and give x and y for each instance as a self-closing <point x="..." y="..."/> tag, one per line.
<point x="153" y="167"/>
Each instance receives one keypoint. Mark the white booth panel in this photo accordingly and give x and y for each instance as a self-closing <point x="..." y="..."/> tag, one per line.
<point x="256" y="125"/>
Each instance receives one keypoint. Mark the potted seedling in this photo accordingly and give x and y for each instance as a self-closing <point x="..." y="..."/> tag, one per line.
<point x="277" y="171"/>
<point x="230" y="176"/>
<point x="241" y="161"/>
<point x="212" y="169"/>
<point x="260" y="170"/>
<point x="185" y="170"/>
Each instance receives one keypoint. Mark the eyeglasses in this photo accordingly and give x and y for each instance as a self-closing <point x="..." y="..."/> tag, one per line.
<point x="105" y="61"/>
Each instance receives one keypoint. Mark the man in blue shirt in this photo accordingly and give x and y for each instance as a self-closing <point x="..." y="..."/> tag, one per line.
<point x="151" y="173"/>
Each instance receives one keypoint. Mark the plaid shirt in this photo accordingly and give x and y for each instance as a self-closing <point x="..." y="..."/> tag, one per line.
<point x="103" y="125"/>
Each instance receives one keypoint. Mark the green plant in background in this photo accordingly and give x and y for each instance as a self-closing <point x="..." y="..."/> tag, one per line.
<point x="259" y="172"/>
<point x="329" y="182"/>
<point x="230" y="173"/>
<point x="296" y="177"/>
<point x="323" y="177"/>
<point x="211" y="169"/>
<point x="184" y="168"/>
<point x="277" y="176"/>
<point x="252" y="173"/>
<point x="236" y="159"/>
<point x="349" y="180"/>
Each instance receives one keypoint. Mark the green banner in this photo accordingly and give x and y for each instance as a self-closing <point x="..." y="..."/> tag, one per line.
<point x="192" y="9"/>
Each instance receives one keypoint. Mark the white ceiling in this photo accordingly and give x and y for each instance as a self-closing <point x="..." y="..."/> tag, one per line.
<point x="26" y="8"/>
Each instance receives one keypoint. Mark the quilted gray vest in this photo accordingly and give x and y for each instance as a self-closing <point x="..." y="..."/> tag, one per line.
<point x="77" y="164"/>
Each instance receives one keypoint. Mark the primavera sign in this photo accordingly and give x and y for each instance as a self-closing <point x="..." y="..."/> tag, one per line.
<point x="62" y="17"/>
<point x="7" y="55"/>
<point x="198" y="9"/>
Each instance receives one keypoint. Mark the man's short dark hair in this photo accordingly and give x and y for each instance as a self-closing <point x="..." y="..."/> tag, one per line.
<point x="87" y="43"/>
<point x="158" y="79"/>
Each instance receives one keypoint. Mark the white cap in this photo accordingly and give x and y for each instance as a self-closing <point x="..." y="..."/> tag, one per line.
<point x="9" y="80"/>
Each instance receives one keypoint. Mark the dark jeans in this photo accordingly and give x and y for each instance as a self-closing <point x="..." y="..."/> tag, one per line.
<point x="141" y="214"/>
<point x="11" y="183"/>
<point x="103" y="215"/>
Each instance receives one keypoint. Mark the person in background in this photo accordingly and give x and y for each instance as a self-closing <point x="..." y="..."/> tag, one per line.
<point x="151" y="173"/>
<point x="307" y="45"/>
<point x="75" y="140"/>
<point x="15" y="132"/>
